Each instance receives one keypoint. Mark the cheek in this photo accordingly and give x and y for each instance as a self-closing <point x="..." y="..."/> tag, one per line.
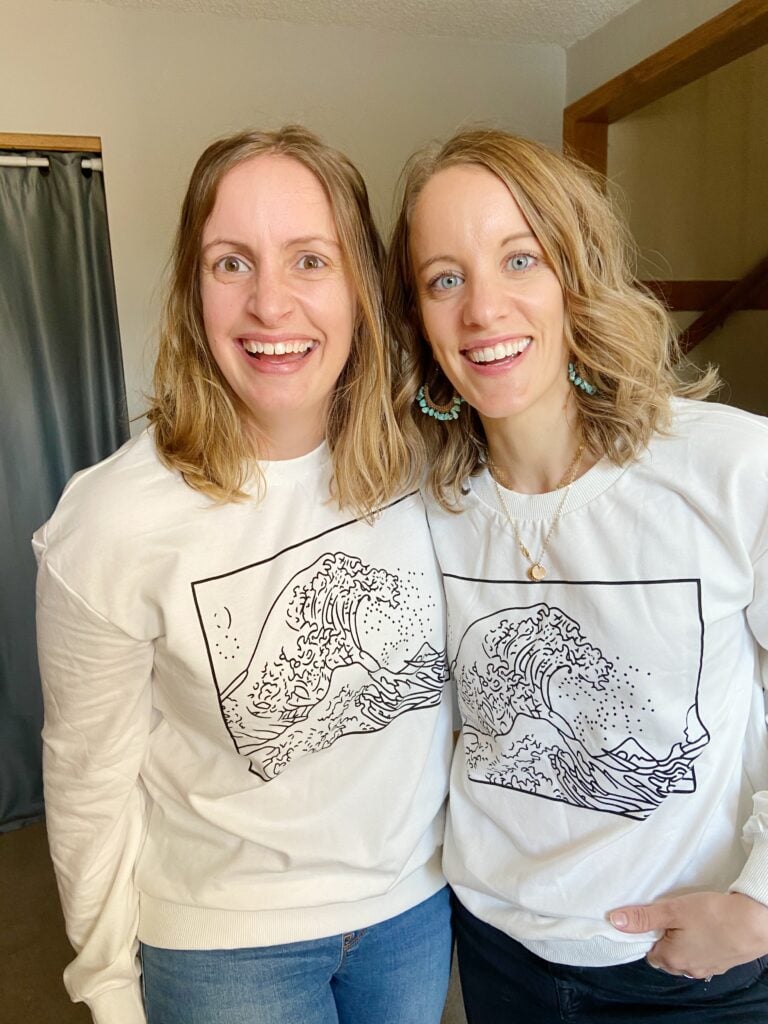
<point x="434" y="323"/>
<point x="554" y="304"/>
<point x="348" y="317"/>
<point x="340" y="312"/>
<point x="545" y="310"/>
<point x="211" y="303"/>
<point x="221" y="306"/>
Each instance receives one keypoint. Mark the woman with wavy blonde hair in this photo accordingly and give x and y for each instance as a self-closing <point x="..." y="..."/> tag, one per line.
<point x="199" y="424"/>
<point x="247" y="731"/>
<point x="604" y="545"/>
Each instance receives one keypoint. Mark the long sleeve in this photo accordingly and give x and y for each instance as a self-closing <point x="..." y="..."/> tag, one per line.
<point x="96" y="687"/>
<point x="753" y="880"/>
<point x="174" y="664"/>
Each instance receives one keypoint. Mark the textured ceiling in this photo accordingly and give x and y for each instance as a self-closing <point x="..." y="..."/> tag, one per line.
<point x="512" y="21"/>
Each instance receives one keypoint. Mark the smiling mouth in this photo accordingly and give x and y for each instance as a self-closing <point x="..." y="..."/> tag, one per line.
<point x="498" y="352"/>
<point x="286" y="351"/>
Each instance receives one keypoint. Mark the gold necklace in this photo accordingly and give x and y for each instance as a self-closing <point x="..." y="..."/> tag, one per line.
<point x="536" y="571"/>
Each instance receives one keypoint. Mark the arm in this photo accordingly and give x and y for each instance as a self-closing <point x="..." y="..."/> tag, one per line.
<point x="96" y="689"/>
<point x="707" y="933"/>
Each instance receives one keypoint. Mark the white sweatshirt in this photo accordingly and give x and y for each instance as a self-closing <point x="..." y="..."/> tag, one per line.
<point x="247" y="726"/>
<point x="614" y="741"/>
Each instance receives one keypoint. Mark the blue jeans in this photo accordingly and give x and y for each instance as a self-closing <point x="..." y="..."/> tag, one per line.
<point x="395" y="972"/>
<point x="503" y="983"/>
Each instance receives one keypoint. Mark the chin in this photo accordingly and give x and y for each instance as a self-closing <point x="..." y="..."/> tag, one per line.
<point x="499" y="410"/>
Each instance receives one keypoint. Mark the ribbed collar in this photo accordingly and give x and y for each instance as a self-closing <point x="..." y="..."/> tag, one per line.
<point x="532" y="507"/>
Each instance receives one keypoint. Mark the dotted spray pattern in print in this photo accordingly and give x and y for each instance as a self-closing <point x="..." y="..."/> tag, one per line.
<point x="340" y="651"/>
<point x="549" y="711"/>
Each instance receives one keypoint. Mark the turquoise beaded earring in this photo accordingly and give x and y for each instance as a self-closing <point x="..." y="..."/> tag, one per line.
<point x="579" y="382"/>
<point x="429" y="407"/>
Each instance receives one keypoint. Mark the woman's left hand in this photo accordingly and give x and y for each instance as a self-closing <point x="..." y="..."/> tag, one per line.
<point x="704" y="933"/>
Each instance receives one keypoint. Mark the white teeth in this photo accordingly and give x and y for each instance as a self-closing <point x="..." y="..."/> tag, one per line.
<point x="279" y="348"/>
<point x="502" y="350"/>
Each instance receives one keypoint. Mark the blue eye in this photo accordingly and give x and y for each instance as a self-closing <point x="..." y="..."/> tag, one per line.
<point x="522" y="261"/>
<point x="445" y="282"/>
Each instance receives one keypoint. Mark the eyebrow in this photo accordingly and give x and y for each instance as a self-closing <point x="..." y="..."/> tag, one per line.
<point x="517" y="237"/>
<point x="300" y="240"/>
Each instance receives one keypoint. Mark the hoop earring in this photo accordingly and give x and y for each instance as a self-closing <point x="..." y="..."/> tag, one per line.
<point x="429" y="407"/>
<point x="579" y="382"/>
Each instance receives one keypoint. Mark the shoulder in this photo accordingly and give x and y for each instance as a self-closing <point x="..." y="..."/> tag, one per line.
<point x="456" y="519"/>
<point x="724" y="426"/>
<point x="715" y="458"/>
<point x="710" y="442"/>
<point x="404" y="520"/>
<point x="117" y="500"/>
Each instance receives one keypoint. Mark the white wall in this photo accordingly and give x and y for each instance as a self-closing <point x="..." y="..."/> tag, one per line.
<point x="644" y="28"/>
<point x="158" y="86"/>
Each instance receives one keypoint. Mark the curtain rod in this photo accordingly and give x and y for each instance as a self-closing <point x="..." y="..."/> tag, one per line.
<point x="8" y="160"/>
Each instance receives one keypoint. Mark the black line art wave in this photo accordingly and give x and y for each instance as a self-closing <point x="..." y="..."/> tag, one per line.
<point x="539" y="704"/>
<point x="312" y="677"/>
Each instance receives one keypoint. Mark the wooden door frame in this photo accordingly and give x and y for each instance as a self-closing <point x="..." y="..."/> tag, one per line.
<point x="729" y="35"/>
<point x="53" y="143"/>
<point x="733" y="33"/>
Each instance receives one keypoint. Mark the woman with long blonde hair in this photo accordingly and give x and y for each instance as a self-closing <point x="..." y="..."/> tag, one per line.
<point x="247" y="734"/>
<point x="603" y="538"/>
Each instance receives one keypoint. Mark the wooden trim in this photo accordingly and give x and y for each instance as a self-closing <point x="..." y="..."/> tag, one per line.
<point x="729" y="35"/>
<point x="587" y="140"/>
<point x="57" y="143"/>
<point x="694" y="296"/>
<point x="735" y="298"/>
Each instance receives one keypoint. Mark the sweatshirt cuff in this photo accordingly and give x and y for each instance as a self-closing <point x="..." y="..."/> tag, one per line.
<point x="753" y="880"/>
<point x="118" y="1006"/>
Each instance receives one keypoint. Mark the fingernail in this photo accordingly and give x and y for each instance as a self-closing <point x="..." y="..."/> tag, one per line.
<point x="618" y="919"/>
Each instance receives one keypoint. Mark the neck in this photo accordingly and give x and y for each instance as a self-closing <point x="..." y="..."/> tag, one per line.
<point x="287" y="440"/>
<point x="533" y="457"/>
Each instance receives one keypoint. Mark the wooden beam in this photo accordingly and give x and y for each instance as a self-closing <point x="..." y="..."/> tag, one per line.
<point x="694" y="296"/>
<point x="57" y="143"/>
<point x="587" y="140"/>
<point x="736" y="31"/>
<point x="729" y="35"/>
<point x="718" y="313"/>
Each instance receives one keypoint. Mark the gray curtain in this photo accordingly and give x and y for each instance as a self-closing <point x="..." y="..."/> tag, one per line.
<point x="62" y="407"/>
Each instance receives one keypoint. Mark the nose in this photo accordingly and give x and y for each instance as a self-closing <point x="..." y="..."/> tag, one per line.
<point x="485" y="301"/>
<point x="270" y="299"/>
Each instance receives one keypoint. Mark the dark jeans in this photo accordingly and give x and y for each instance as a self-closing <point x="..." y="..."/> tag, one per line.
<point x="503" y="983"/>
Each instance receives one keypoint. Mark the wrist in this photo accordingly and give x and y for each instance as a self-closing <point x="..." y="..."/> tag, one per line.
<point x="753" y="919"/>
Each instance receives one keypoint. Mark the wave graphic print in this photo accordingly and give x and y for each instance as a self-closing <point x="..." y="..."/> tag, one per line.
<point x="340" y="651"/>
<point x="550" y="713"/>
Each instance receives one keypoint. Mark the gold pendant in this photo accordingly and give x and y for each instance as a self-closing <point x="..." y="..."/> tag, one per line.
<point x="537" y="572"/>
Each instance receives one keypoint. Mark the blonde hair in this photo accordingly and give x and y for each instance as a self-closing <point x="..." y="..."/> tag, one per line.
<point x="199" y="421"/>
<point x="619" y="336"/>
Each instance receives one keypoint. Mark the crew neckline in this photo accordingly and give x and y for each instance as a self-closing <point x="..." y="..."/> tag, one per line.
<point x="533" y="507"/>
<point x="286" y="470"/>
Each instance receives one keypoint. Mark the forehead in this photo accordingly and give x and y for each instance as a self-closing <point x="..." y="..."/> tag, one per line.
<point x="465" y="204"/>
<point x="270" y="192"/>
